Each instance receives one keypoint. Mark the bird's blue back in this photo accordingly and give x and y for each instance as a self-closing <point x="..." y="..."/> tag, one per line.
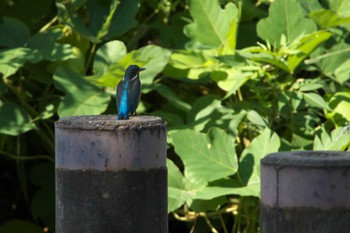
<point x="128" y="92"/>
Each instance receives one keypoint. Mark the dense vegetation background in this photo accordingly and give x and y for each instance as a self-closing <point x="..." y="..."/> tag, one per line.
<point x="235" y="80"/>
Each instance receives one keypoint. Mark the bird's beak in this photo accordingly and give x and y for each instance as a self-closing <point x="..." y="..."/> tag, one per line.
<point x="141" y="69"/>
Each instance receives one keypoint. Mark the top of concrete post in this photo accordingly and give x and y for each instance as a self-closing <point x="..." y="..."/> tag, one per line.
<point x="109" y="122"/>
<point x="105" y="143"/>
<point x="308" y="159"/>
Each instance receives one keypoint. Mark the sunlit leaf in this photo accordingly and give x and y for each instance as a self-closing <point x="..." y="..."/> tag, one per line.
<point x="81" y="97"/>
<point x="207" y="157"/>
<point x="316" y="100"/>
<point x="212" y="26"/>
<point x="286" y="17"/>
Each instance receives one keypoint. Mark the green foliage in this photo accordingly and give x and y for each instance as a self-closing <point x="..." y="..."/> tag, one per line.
<point x="235" y="80"/>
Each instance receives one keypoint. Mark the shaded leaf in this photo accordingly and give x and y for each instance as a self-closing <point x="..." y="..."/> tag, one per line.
<point x="249" y="164"/>
<point x="14" y="119"/>
<point x="81" y="97"/>
<point x="13" y="33"/>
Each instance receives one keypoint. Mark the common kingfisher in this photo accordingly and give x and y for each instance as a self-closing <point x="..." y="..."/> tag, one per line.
<point x="129" y="92"/>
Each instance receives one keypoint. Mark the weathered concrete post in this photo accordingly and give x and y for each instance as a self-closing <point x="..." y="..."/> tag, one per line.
<point x="305" y="192"/>
<point x="111" y="175"/>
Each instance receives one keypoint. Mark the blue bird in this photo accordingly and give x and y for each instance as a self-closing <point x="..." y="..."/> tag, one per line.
<point x="129" y="92"/>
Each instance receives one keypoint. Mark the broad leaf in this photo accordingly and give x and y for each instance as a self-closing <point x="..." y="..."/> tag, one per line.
<point x="13" y="33"/>
<point x="206" y="157"/>
<point x="340" y="103"/>
<point x="337" y="140"/>
<point x="249" y="164"/>
<point x="306" y="45"/>
<point x="105" y="19"/>
<point x="286" y="17"/>
<point x="108" y="54"/>
<point x="13" y="59"/>
<point x="176" y="186"/>
<point x="316" y="100"/>
<point x="81" y="97"/>
<point x="14" y="119"/>
<point x="212" y="26"/>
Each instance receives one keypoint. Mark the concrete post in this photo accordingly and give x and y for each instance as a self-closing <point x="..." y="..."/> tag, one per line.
<point x="111" y="175"/>
<point x="305" y="192"/>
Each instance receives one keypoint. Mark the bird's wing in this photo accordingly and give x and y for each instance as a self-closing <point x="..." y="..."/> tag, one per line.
<point x="134" y="94"/>
<point x="119" y="91"/>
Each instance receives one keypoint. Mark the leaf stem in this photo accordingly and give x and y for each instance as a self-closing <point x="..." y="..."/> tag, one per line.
<point x="24" y="158"/>
<point x="92" y="51"/>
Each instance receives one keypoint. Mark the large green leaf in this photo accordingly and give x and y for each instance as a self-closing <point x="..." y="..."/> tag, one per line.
<point x="286" y="17"/>
<point x="337" y="140"/>
<point x="108" y="54"/>
<point x="227" y="187"/>
<point x="13" y="33"/>
<point x="212" y="26"/>
<point x="306" y="45"/>
<point x="249" y="165"/>
<point x="206" y="157"/>
<point x="171" y="96"/>
<point x="44" y="44"/>
<point x="315" y="100"/>
<point x="13" y="59"/>
<point x="81" y="97"/>
<point x="331" y="60"/>
<point x="97" y="20"/>
<point x="14" y="119"/>
<point x="340" y="103"/>
<point x="176" y="186"/>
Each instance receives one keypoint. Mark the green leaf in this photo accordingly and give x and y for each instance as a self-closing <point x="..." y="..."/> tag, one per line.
<point x="107" y="23"/>
<point x="82" y="97"/>
<point x="328" y="18"/>
<point x="337" y="140"/>
<point x="96" y="20"/>
<point x="342" y="72"/>
<point x="286" y="17"/>
<point x="230" y="80"/>
<point x="14" y="119"/>
<point x="20" y="226"/>
<point x="13" y="59"/>
<point x="227" y="187"/>
<point x="206" y="157"/>
<point x="155" y="59"/>
<point x="212" y="26"/>
<point x="124" y="18"/>
<point x="176" y="185"/>
<point x="306" y="45"/>
<point x="46" y="47"/>
<point x="316" y="100"/>
<point x="340" y="103"/>
<point x="207" y="111"/>
<point x="331" y="59"/>
<point x="108" y="54"/>
<point x="171" y="96"/>
<point x="249" y="164"/>
<point x="13" y="33"/>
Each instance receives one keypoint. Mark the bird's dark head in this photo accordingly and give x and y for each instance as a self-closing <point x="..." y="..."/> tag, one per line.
<point x="132" y="72"/>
